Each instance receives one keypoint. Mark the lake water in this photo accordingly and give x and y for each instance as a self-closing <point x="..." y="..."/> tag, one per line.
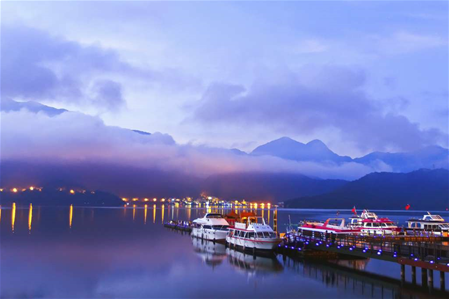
<point x="127" y="253"/>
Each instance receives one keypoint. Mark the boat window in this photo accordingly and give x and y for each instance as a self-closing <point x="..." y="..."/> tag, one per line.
<point x="368" y="224"/>
<point x="260" y="235"/>
<point x="214" y="216"/>
<point x="207" y="227"/>
<point x="250" y="235"/>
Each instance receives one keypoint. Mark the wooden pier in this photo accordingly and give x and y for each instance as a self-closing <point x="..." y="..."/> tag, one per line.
<point x="178" y="226"/>
<point x="428" y="253"/>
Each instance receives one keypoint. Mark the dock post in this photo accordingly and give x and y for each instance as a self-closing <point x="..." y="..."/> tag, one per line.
<point x="431" y="278"/>
<point x="413" y="274"/>
<point x="275" y="220"/>
<point x="442" y="282"/>
<point x="402" y="273"/>
<point x="424" y="277"/>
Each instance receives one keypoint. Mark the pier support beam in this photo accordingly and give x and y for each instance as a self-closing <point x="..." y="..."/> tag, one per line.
<point x="430" y="278"/>
<point x="413" y="274"/>
<point x="442" y="282"/>
<point x="424" y="277"/>
<point x="402" y="273"/>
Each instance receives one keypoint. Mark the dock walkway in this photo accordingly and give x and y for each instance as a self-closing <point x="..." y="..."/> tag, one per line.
<point x="428" y="253"/>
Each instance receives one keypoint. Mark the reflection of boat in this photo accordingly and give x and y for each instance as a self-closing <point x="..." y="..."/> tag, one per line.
<point x="253" y="233"/>
<point x="369" y="223"/>
<point x="331" y="225"/>
<point x="356" y="264"/>
<point x="429" y="223"/>
<point x="253" y="264"/>
<point x="210" y="227"/>
<point x="211" y="253"/>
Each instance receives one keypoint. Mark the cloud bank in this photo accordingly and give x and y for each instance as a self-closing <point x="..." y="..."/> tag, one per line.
<point x="71" y="137"/>
<point x="313" y="99"/>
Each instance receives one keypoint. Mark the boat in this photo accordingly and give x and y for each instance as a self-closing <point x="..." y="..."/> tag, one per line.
<point x="185" y="226"/>
<point x="252" y="233"/>
<point x="430" y="224"/>
<point x="370" y="224"/>
<point x="336" y="226"/>
<point x="211" y="227"/>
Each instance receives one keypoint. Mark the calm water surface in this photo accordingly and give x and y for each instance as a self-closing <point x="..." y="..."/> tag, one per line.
<point x="127" y="253"/>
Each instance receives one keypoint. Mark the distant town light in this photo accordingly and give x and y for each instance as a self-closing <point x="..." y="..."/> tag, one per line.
<point x="145" y="199"/>
<point x="125" y="199"/>
<point x="31" y="188"/>
<point x="135" y="199"/>
<point x="154" y="199"/>
<point x="72" y="191"/>
<point x="14" y="190"/>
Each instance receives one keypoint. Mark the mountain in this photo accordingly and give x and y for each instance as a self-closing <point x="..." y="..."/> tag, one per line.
<point x="8" y="105"/>
<point x="423" y="189"/>
<point x="287" y="148"/>
<point x="54" y="197"/>
<point x="139" y="182"/>
<point x="427" y="157"/>
<point x="272" y="187"/>
<point x="316" y="151"/>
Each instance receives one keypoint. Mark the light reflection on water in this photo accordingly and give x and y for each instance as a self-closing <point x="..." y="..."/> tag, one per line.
<point x="113" y="252"/>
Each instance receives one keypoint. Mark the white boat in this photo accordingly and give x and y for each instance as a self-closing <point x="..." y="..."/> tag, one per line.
<point x="211" y="227"/>
<point x="433" y="224"/>
<point x="334" y="226"/>
<point x="252" y="233"/>
<point x="370" y="224"/>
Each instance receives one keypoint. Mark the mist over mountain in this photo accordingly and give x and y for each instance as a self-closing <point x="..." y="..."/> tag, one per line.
<point x="272" y="187"/>
<point x="8" y="105"/>
<point x="287" y="148"/>
<point x="427" y="157"/>
<point x="316" y="151"/>
<point x="92" y="155"/>
<point x="422" y="189"/>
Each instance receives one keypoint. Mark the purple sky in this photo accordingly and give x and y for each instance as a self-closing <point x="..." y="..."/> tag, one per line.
<point x="361" y="76"/>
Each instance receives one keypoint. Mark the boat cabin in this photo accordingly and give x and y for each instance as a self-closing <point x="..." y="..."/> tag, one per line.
<point x="429" y="223"/>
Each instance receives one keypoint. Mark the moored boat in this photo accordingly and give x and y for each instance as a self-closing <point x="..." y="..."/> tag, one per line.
<point x="430" y="224"/>
<point x="370" y="224"/>
<point x="252" y="233"/>
<point x="211" y="227"/>
<point x="334" y="226"/>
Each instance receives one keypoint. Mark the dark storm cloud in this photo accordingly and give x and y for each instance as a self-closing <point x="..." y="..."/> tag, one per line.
<point x="330" y="97"/>
<point x="38" y="66"/>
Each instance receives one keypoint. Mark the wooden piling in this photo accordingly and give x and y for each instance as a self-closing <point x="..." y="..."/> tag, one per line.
<point x="402" y="273"/>
<point x="430" y="278"/>
<point x="424" y="277"/>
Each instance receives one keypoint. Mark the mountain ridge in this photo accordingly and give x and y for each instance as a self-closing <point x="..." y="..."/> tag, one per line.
<point x="422" y="189"/>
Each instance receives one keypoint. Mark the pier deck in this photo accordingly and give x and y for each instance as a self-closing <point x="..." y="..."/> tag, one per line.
<point x="428" y="253"/>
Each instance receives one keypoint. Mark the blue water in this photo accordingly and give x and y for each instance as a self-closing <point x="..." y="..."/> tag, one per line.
<point x="127" y="253"/>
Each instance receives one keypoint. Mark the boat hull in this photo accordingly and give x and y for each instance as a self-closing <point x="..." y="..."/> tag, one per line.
<point x="209" y="234"/>
<point x="258" y="244"/>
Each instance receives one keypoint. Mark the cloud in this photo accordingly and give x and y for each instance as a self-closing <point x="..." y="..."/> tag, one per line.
<point x="41" y="67"/>
<point x="315" y="99"/>
<point x="71" y="137"/>
<point x="404" y="42"/>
